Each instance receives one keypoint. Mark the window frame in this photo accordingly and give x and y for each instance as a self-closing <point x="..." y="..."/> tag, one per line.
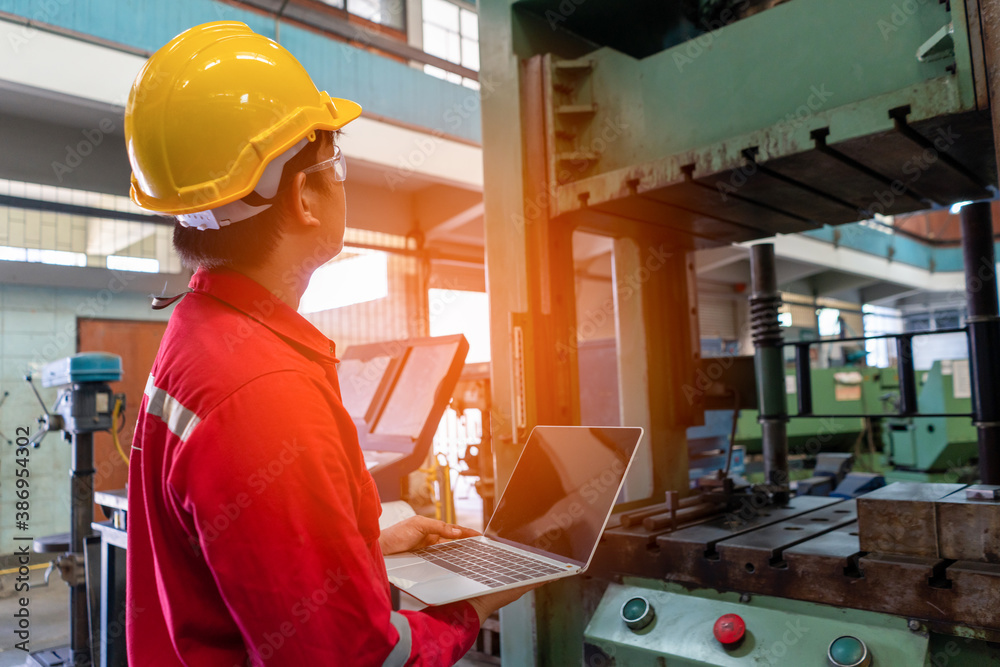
<point x="460" y="6"/>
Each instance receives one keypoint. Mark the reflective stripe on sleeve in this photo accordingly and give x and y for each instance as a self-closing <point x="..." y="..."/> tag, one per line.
<point x="401" y="651"/>
<point x="178" y="419"/>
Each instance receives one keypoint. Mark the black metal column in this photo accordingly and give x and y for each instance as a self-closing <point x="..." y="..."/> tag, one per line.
<point x="82" y="514"/>
<point x="984" y="334"/>
<point x="770" y="368"/>
<point x="907" y="376"/>
<point x="803" y="379"/>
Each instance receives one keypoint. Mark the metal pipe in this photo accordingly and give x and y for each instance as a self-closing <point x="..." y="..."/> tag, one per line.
<point x="87" y="211"/>
<point x="912" y="334"/>
<point x="770" y="368"/>
<point x="983" y="321"/>
<point x="673" y="519"/>
<point x="803" y="380"/>
<point x="82" y="514"/>
<point x="907" y="376"/>
<point x="887" y="415"/>
<point x="635" y="517"/>
<point x="987" y="429"/>
<point x="168" y="221"/>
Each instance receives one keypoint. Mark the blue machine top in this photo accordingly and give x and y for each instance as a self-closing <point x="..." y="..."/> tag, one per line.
<point x="83" y="367"/>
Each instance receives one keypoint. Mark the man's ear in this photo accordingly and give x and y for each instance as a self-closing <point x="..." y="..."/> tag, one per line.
<point x="303" y="202"/>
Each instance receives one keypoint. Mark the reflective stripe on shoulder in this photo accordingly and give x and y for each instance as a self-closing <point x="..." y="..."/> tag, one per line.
<point x="401" y="651"/>
<point x="178" y="419"/>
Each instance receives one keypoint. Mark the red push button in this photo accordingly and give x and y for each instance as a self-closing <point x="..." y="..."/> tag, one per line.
<point x="729" y="630"/>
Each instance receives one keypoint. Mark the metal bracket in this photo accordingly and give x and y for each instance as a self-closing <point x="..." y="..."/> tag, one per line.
<point x="940" y="45"/>
<point x="72" y="569"/>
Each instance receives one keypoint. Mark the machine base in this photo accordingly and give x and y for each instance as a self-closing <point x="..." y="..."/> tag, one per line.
<point x="61" y="656"/>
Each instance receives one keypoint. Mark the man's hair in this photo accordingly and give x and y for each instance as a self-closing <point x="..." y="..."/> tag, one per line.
<point x="249" y="242"/>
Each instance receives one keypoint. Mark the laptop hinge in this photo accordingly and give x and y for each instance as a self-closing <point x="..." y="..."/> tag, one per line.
<point x="536" y="551"/>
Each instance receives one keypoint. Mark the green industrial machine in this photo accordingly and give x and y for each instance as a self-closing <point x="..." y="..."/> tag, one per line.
<point x="776" y="632"/>
<point x="934" y="449"/>
<point x="835" y="391"/>
<point x="900" y="576"/>
<point x="669" y="127"/>
<point x="916" y="449"/>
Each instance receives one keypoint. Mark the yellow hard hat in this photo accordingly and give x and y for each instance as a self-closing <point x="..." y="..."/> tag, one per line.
<point x="210" y="110"/>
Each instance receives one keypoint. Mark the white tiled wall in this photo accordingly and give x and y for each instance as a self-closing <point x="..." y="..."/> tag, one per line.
<point x="38" y="325"/>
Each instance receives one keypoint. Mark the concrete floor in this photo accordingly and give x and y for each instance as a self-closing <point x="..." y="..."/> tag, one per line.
<point x="50" y="604"/>
<point x="49" y="609"/>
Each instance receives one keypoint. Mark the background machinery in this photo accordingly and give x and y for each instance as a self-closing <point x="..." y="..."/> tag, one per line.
<point x="665" y="128"/>
<point x="85" y="404"/>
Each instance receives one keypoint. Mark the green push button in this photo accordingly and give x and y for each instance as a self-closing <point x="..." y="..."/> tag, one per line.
<point x="849" y="652"/>
<point x="637" y="613"/>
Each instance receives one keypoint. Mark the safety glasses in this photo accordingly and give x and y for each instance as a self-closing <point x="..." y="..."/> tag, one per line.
<point x="338" y="163"/>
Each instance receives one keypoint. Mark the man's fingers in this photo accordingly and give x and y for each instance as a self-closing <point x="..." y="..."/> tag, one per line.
<point x="462" y="531"/>
<point x="425" y="531"/>
<point x="435" y="527"/>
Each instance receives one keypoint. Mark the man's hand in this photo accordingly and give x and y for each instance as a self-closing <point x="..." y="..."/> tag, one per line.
<point x="485" y="605"/>
<point x="417" y="532"/>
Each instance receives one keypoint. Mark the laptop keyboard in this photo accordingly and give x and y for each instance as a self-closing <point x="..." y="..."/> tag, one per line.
<point x="485" y="563"/>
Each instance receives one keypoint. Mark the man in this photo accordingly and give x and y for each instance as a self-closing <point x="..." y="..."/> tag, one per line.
<point x="253" y="532"/>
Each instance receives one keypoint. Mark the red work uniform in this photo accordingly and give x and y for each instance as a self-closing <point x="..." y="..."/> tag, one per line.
<point x="253" y="522"/>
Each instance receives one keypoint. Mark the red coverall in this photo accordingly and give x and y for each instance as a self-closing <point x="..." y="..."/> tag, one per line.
<point x="253" y="523"/>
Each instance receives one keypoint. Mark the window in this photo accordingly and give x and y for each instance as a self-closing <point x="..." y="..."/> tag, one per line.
<point x="947" y="319"/>
<point x="60" y="257"/>
<point x="126" y="263"/>
<point x="451" y="33"/>
<point x="354" y="276"/>
<point x="384" y="12"/>
<point x="457" y="311"/>
<point x="829" y="322"/>
<point x="82" y="239"/>
<point x="878" y="321"/>
<point x="918" y="322"/>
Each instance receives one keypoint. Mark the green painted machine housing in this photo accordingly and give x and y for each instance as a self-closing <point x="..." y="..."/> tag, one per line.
<point x="935" y="444"/>
<point x="835" y="391"/>
<point x="745" y="77"/>
<point x="809" y="113"/>
<point x="778" y="632"/>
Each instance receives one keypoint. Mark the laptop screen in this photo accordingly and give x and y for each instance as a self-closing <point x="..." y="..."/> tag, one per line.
<point x="563" y="488"/>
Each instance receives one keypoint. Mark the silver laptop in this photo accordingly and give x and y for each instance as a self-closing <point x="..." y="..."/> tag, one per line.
<point x="546" y="525"/>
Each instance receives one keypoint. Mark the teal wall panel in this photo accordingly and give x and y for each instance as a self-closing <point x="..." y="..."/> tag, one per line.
<point x="380" y="85"/>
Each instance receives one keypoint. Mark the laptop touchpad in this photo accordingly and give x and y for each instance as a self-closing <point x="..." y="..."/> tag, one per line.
<point x="422" y="573"/>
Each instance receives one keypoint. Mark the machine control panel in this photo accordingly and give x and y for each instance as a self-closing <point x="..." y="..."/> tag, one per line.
<point x="704" y="627"/>
<point x="848" y="651"/>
